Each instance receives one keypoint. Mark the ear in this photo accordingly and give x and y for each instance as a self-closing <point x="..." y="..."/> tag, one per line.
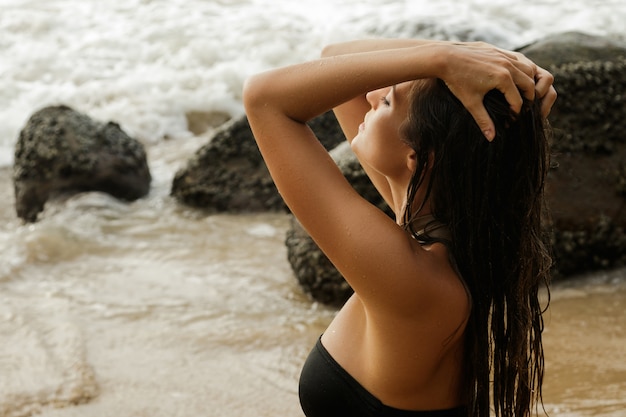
<point x="411" y="161"/>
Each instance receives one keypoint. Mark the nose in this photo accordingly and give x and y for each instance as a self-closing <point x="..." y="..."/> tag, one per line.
<point x="370" y="97"/>
<point x="374" y="97"/>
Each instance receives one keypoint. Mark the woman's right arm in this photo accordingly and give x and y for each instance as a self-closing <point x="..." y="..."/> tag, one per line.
<point x="350" y="113"/>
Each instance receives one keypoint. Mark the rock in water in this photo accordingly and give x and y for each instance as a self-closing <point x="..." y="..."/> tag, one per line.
<point x="60" y="150"/>
<point x="586" y="186"/>
<point x="228" y="173"/>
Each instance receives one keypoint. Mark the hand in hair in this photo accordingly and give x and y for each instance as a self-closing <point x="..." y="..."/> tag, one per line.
<point x="477" y="68"/>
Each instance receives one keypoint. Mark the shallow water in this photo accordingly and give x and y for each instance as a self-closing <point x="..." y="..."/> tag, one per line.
<point x="585" y="343"/>
<point x="151" y="309"/>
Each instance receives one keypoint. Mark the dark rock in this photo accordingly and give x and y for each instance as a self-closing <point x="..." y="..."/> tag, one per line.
<point x="588" y="116"/>
<point x="60" y="150"/>
<point x="228" y="173"/>
<point x="586" y="186"/>
<point x="573" y="47"/>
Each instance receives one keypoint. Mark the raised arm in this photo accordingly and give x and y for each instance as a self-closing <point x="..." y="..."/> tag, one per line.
<point x="543" y="80"/>
<point x="362" y="242"/>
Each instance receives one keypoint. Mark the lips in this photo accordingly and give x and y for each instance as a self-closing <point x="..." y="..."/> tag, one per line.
<point x="362" y="125"/>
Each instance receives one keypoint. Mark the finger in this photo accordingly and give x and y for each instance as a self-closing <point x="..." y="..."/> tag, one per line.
<point x="543" y="82"/>
<point x="525" y="83"/>
<point x="508" y="86"/>
<point x="524" y="74"/>
<point x="515" y="76"/>
<point x="547" y="102"/>
<point x="484" y="122"/>
<point x="529" y="67"/>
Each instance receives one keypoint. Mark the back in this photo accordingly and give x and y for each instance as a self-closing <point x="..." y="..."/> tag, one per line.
<point x="407" y="358"/>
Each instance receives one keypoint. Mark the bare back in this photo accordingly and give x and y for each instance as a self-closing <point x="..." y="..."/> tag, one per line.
<point x="407" y="361"/>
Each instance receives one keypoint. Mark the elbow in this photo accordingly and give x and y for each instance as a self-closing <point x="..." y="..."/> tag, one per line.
<point x="327" y="51"/>
<point x="252" y="93"/>
<point x="263" y="98"/>
<point x="333" y="49"/>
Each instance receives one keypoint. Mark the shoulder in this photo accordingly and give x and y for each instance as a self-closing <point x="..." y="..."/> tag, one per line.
<point x="430" y="287"/>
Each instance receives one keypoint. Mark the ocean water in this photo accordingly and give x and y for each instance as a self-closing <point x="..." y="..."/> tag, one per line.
<point x="153" y="309"/>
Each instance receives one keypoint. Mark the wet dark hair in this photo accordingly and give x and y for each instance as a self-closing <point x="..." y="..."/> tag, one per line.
<point x="490" y="195"/>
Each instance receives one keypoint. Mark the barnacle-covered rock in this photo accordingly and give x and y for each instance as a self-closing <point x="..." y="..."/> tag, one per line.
<point x="60" y="150"/>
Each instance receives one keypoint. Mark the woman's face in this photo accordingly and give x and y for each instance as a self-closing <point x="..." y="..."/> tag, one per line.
<point x="378" y="142"/>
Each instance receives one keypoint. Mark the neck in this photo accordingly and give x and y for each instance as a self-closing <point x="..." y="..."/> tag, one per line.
<point x="399" y="203"/>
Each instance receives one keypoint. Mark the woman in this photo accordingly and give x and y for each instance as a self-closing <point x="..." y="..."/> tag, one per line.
<point x="447" y="293"/>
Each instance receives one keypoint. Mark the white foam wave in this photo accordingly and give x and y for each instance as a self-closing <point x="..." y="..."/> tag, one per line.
<point x="146" y="64"/>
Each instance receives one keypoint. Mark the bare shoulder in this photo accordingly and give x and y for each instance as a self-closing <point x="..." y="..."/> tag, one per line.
<point x="431" y="287"/>
<point x="446" y="285"/>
